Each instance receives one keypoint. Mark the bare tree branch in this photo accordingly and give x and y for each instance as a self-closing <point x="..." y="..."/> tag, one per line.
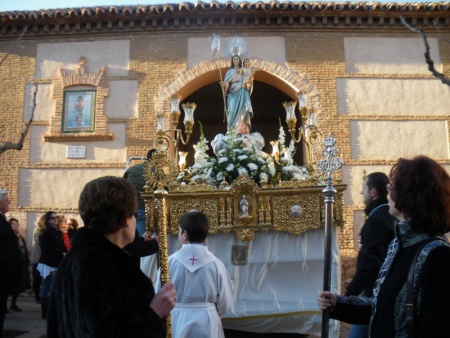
<point x="427" y="55"/>
<point x="15" y="44"/>
<point x="19" y="145"/>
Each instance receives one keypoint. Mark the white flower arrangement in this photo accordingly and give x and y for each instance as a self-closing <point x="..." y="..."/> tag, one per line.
<point x="236" y="158"/>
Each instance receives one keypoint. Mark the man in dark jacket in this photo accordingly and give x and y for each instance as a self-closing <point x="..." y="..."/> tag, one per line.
<point x="10" y="259"/>
<point x="135" y="175"/>
<point x="376" y="234"/>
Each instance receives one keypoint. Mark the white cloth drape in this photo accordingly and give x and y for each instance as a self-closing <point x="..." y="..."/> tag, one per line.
<point x="276" y="291"/>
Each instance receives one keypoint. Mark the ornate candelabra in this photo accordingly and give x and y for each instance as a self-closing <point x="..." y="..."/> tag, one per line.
<point x="307" y="131"/>
<point x="162" y="171"/>
<point x="328" y="165"/>
<point x="165" y="135"/>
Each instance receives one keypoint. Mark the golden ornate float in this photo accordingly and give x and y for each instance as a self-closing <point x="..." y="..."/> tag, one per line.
<point x="244" y="192"/>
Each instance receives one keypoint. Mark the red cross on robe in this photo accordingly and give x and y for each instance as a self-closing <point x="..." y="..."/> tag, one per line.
<point x="193" y="259"/>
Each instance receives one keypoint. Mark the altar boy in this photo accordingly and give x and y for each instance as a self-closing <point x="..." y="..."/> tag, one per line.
<point x="204" y="288"/>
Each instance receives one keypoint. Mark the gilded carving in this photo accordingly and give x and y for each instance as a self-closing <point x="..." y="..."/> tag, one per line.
<point x="160" y="204"/>
<point x="244" y="185"/>
<point x="246" y="235"/>
<point x="179" y="206"/>
<point x="274" y="209"/>
<point x="192" y="187"/>
<point x="160" y="171"/>
<point x="283" y="219"/>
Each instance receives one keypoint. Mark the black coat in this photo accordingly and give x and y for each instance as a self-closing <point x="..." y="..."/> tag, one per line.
<point x="99" y="291"/>
<point x="376" y="234"/>
<point x="141" y="248"/>
<point x="135" y="175"/>
<point x="432" y="301"/>
<point x="25" y="263"/>
<point x="52" y="247"/>
<point x="11" y="264"/>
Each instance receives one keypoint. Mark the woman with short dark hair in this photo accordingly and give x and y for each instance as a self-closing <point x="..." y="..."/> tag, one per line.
<point x="98" y="290"/>
<point x="417" y="266"/>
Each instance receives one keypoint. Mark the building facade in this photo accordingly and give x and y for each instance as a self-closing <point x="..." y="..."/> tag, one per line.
<point x="362" y="69"/>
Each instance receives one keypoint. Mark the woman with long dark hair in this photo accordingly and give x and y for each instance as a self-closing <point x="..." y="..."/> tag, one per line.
<point x="53" y="250"/>
<point x="35" y="255"/>
<point x="410" y="297"/>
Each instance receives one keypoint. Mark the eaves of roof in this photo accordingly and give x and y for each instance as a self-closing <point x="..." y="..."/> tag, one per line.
<point x="222" y="14"/>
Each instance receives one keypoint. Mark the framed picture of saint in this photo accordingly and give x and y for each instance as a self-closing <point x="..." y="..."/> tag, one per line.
<point x="78" y="111"/>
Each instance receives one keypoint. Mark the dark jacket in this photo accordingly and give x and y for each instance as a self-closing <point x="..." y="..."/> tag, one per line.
<point x="141" y="248"/>
<point x="386" y="311"/>
<point x="376" y="234"/>
<point x="99" y="292"/>
<point x="52" y="247"/>
<point x="135" y="175"/>
<point x="25" y="262"/>
<point x="11" y="263"/>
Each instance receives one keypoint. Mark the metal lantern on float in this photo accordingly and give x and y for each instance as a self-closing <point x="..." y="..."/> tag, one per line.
<point x="182" y="159"/>
<point x="291" y="119"/>
<point x="160" y="121"/>
<point x="175" y="109"/>
<point x="188" y="121"/>
<point x="302" y="105"/>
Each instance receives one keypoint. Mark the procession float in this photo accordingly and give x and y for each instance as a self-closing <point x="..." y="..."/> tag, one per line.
<point x="271" y="220"/>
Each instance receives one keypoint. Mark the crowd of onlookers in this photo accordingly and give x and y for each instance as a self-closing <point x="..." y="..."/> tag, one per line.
<point x="51" y="240"/>
<point x="90" y="284"/>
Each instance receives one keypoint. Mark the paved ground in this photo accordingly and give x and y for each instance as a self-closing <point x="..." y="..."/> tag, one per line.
<point x="29" y="322"/>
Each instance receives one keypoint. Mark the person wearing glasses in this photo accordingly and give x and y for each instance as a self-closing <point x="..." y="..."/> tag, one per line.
<point x="53" y="250"/>
<point x="98" y="290"/>
<point x="410" y="296"/>
<point x="10" y="259"/>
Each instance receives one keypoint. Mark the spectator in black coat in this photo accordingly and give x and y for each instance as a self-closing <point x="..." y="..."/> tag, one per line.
<point x="53" y="250"/>
<point x="98" y="291"/>
<point x="14" y="222"/>
<point x="142" y="246"/>
<point x="10" y="259"/>
<point x="376" y="234"/>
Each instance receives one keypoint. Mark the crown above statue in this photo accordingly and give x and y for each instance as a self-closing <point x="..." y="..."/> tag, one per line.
<point x="236" y="45"/>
